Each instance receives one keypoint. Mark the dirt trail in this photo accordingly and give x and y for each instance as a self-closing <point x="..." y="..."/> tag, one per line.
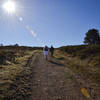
<point x="54" y="81"/>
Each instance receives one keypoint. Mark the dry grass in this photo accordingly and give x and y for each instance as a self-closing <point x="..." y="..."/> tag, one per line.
<point x="81" y="67"/>
<point x="14" y="78"/>
<point x="89" y="74"/>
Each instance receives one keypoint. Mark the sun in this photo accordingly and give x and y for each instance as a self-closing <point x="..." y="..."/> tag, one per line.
<point x="9" y="6"/>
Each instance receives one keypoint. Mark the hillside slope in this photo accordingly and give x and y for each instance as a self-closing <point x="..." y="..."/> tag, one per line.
<point x="15" y="73"/>
<point x="84" y="61"/>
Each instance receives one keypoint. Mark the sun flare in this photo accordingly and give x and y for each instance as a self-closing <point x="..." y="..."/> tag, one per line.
<point x="9" y="6"/>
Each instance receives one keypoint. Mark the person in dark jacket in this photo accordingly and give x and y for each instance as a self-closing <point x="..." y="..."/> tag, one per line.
<point x="52" y="50"/>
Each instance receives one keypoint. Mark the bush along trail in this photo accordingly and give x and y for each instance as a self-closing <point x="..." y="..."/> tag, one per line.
<point x="52" y="80"/>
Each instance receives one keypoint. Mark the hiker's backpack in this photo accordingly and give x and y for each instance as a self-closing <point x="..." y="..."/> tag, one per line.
<point x="46" y="49"/>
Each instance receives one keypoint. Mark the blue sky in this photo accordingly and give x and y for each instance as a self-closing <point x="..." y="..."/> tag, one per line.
<point x="56" y="22"/>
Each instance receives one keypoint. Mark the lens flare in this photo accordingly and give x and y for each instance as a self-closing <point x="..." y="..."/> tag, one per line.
<point x="9" y="6"/>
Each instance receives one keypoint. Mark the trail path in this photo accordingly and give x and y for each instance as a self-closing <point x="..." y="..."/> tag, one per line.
<point x="54" y="81"/>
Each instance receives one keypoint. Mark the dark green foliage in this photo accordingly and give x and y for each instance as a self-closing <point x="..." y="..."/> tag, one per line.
<point x="16" y="45"/>
<point x="92" y="37"/>
<point x="2" y="59"/>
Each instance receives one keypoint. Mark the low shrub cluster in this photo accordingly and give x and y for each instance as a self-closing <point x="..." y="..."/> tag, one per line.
<point x="9" y="56"/>
<point x="9" y="53"/>
<point x="82" y="51"/>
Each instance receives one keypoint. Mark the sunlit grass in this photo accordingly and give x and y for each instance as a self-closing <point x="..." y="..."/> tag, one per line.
<point x="81" y="67"/>
<point x="86" y="72"/>
<point x="10" y="75"/>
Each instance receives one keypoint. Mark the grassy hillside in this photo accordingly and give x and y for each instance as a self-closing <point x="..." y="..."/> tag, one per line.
<point x="15" y="75"/>
<point x="87" y="56"/>
<point x="83" y="52"/>
<point x="84" y="61"/>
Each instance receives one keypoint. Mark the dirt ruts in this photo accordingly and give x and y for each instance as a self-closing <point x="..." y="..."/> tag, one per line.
<point x="54" y="81"/>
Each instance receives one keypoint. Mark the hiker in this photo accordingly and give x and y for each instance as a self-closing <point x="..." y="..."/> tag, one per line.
<point x="52" y="50"/>
<point x="45" y="51"/>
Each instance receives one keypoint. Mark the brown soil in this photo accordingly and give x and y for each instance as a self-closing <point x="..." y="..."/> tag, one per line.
<point x="54" y="81"/>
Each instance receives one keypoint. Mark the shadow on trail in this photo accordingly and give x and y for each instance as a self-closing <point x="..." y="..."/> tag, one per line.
<point x="56" y="63"/>
<point x="60" y="58"/>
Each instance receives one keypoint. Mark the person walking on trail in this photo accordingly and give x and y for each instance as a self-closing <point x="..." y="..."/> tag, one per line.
<point x="52" y="50"/>
<point x="45" y="51"/>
